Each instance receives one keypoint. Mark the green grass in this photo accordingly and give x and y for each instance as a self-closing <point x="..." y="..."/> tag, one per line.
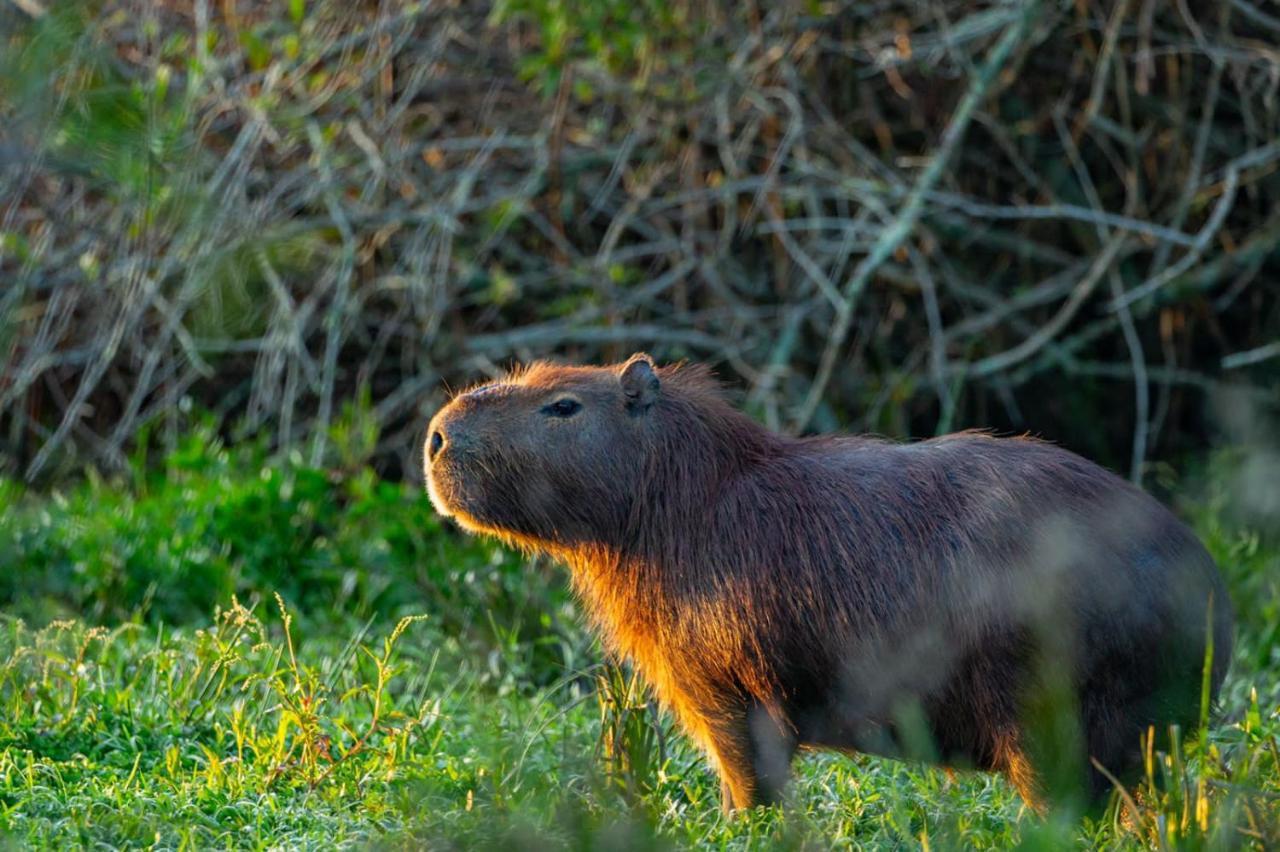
<point x="141" y="704"/>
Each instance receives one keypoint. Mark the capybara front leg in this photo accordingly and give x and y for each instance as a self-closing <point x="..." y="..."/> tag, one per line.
<point x="1012" y="759"/>
<point x="753" y="752"/>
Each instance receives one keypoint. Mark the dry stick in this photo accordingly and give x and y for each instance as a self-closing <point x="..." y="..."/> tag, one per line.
<point x="620" y="161"/>
<point x="38" y="353"/>
<point x="937" y="341"/>
<point x="1120" y="788"/>
<point x="1173" y="375"/>
<point x="130" y="309"/>
<point x="232" y="173"/>
<point x="289" y="353"/>
<point x="590" y="313"/>
<point x="862" y="188"/>
<point x="1142" y="390"/>
<point x="1003" y="360"/>
<point x="1042" y="292"/>
<point x="1103" y="73"/>
<point x="1197" y="163"/>
<point x="903" y="225"/>
<point x="1251" y="356"/>
<point x="336" y="315"/>
<point x="1158" y="266"/>
<point x="780" y="153"/>
<point x="1263" y="155"/>
<point x="1207" y="234"/>
<point x="778" y="361"/>
<point x="808" y="265"/>
<point x="1072" y="212"/>
<point x="1143" y="435"/>
<point x="1162" y="251"/>
<point x="113" y="337"/>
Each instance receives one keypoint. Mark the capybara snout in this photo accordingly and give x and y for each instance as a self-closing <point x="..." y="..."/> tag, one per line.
<point x="998" y="604"/>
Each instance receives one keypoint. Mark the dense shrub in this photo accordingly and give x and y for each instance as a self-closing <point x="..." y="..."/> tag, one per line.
<point x="171" y="544"/>
<point x="902" y="217"/>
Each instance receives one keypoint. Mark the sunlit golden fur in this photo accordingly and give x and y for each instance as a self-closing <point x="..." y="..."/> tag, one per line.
<point x="779" y="592"/>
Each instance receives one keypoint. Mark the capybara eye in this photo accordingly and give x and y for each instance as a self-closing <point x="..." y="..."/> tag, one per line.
<point x="562" y="408"/>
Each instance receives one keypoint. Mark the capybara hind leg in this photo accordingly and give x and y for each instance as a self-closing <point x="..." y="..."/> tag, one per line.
<point x="1115" y="745"/>
<point x="753" y="752"/>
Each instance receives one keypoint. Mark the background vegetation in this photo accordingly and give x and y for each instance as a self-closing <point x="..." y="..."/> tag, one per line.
<point x="903" y="217"/>
<point x="245" y="248"/>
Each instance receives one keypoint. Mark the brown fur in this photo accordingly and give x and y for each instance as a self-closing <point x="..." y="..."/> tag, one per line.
<point x="954" y="599"/>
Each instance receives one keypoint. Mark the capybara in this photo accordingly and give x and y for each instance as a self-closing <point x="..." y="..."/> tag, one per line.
<point x="981" y="602"/>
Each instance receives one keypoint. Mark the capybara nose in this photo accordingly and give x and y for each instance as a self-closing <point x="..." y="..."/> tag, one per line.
<point x="435" y="444"/>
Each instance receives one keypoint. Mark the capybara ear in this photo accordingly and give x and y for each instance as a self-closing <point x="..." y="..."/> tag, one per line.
<point x="639" y="383"/>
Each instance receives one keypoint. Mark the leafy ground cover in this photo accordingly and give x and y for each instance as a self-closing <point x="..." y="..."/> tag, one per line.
<point x="230" y="650"/>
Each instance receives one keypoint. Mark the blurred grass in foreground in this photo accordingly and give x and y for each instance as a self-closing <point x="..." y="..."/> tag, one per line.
<point x="324" y="716"/>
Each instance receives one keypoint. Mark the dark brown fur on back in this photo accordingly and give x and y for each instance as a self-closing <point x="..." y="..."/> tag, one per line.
<point x="948" y="599"/>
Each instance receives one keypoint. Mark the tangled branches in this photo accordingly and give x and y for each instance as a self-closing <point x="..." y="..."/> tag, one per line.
<point x="893" y="216"/>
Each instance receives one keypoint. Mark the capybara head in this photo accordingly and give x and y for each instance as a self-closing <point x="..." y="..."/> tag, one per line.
<point x="546" y="455"/>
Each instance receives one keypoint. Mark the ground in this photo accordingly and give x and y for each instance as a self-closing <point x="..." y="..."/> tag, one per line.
<point x="225" y="651"/>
